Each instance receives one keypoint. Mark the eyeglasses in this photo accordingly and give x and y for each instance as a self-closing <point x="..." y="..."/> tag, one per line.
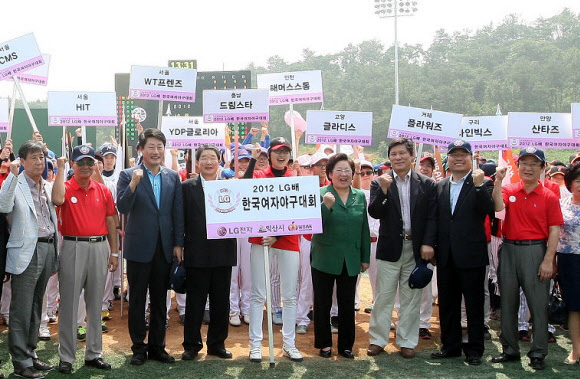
<point x="262" y="159"/>
<point x="366" y="173"/>
<point x="342" y="172"/>
<point x="88" y="163"/>
<point x="281" y="151"/>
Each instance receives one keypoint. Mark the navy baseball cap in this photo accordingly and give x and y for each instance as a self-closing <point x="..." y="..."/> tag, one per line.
<point x="83" y="151"/>
<point x="534" y="151"/>
<point x="108" y="149"/>
<point x="420" y="276"/>
<point x="459" y="144"/>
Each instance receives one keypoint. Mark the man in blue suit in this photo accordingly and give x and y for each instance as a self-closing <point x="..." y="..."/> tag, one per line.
<point x="151" y="197"/>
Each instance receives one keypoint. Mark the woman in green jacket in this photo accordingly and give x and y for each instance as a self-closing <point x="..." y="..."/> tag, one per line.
<point x="338" y="255"/>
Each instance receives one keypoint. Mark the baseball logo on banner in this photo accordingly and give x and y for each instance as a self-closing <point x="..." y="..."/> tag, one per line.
<point x="545" y="130"/>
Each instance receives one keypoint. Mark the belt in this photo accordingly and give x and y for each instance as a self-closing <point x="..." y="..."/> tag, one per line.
<point x="374" y="239"/>
<point x="406" y="237"/>
<point x="86" y="239"/>
<point x="49" y="239"/>
<point x="524" y="242"/>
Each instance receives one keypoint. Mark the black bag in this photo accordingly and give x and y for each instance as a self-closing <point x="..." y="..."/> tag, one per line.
<point x="557" y="311"/>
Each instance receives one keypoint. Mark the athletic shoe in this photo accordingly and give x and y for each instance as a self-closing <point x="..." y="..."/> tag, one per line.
<point x="81" y="334"/>
<point x="301" y="329"/>
<point x="292" y="353"/>
<point x="105" y="315"/>
<point x="235" y="319"/>
<point x="277" y="318"/>
<point x="246" y="319"/>
<point x="117" y="293"/>
<point x="256" y="354"/>
<point x="424" y="334"/>
<point x="369" y="309"/>
<point x="110" y="307"/>
<point x="43" y="333"/>
<point x="51" y="316"/>
<point x="104" y="328"/>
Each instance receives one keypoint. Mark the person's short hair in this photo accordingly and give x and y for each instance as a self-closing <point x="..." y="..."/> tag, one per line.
<point x="30" y="147"/>
<point x="332" y="161"/>
<point x="409" y="145"/>
<point x="572" y="173"/>
<point x="203" y="148"/>
<point x="151" y="133"/>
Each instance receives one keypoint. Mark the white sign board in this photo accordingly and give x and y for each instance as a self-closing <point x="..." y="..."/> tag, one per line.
<point x="543" y="130"/>
<point x="576" y="120"/>
<point x="19" y="55"/>
<point x="262" y="207"/>
<point x="293" y="87"/>
<point x="82" y="109"/>
<point x="424" y="125"/>
<point x="191" y="132"/>
<point x="335" y="127"/>
<point x="485" y="133"/>
<point x="236" y="105"/>
<point x="162" y="83"/>
<point x="4" y="115"/>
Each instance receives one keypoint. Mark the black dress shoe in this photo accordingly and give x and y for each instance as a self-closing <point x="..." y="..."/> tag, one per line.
<point x="504" y="357"/>
<point x="98" y="363"/>
<point x="189" y="355"/>
<point x="473" y="360"/>
<point x="347" y="354"/>
<point x="537" y="363"/>
<point x="161" y="356"/>
<point x="138" y="359"/>
<point x="28" y="372"/>
<point x="65" y="367"/>
<point x="444" y="353"/>
<point x="41" y="365"/>
<point x="325" y="353"/>
<point x="222" y="353"/>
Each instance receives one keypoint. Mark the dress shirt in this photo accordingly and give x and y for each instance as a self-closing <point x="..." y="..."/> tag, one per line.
<point x="45" y="224"/>
<point x="404" y="187"/>
<point x="455" y="190"/>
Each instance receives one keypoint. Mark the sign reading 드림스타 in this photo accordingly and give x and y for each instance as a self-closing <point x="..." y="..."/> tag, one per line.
<point x="191" y="132"/>
<point x="19" y="55"/>
<point x="293" y="87"/>
<point x="82" y="109"/>
<point x="345" y="128"/>
<point x="486" y="133"/>
<point x="424" y="125"/>
<point x="262" y="207"/>
<point x="4" y="115"/>
<point x="236" y="105"/>
<point x="543" y="130"/>
<point x="162" y="83"/>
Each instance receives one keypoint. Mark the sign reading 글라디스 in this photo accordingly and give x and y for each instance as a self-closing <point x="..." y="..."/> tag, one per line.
<point x="236" y="105"/>
<point x="186" y="132"/>
<point x="293" y="87"/>
<point x="542" y="130"/>
<point x="19" y="55"/>
<point x="162" y="83"/>
<point x="345" y="128"/>
<point x="82" y="109"/>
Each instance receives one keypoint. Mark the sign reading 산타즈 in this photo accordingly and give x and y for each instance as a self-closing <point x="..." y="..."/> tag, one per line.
<point x="293" y="87"/>
<point x="576" y="120"/>
<point x="485" y="133"/>
<point x="424" y="125"/>
<point x="82" y="109"/>
<point x="191" y="132"/>
<point x="347" y="128"/>
<point x="237" y="105"/>
<point x="162" y="83"/>
<point x="262" y="207"/>
<point x="544" y="130"/>
<point x="19" y="55"/>
<point x="4" y="115"/>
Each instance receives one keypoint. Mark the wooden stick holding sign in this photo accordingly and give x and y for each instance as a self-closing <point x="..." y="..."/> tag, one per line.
<point x="11" y="114"/>
<point x="292" y="132"/>
<point x="26" y="107"/>
<point x="269" y="305"/>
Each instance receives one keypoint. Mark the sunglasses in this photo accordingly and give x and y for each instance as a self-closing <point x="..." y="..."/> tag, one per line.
<point x="366" y="173"/>
<point x="88" y="163"/>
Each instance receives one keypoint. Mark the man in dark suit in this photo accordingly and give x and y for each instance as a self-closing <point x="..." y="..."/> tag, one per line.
<point x="151" y="197"/>
<point x="208" y="264"/>
<point x="404" y="202"/>
<point x="464" y="200"/>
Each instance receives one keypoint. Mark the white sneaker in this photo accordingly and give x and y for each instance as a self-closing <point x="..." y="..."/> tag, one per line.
<point x="292" y="353"/>
<point x="43" y="333"/>
<point x="256" y="354"/>
<point x="235" y="319"/>
<point x="247" y="319"/>
<point x="277" y="318"/>
<point x="301" y="329"/>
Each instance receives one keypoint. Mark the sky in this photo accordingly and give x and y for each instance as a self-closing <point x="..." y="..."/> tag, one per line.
<point x="90" y="41"/>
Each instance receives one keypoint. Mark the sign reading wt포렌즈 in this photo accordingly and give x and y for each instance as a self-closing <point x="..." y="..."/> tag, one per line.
<point x="543" y="130"/>
<point x="485" y="133"/>
<point x="162" y="83"/>
<point x="4" y="115"/>
<point x="262" y="207"/>
<point x="345" y="128"/>
<point x="191" y="132"/>
<point x="82" y="109"/>
<point x="576" y="120"/>
<point x="424" y="125"/>
<point x="19" y="55"/>
<point x="293" y="87"/>
<point x="236" y="105"/>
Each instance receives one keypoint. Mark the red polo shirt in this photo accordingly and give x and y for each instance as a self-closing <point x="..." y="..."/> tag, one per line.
<point x="528" y="215"/>
<point x="289" y="242"/>
<point x="83" y="212"/>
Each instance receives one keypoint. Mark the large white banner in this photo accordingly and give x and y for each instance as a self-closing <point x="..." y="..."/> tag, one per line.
<point x="345" y="128"/>
<point x="293" y="87"/>
<point x="424" y="125"/>
<point x="576" y="120"/>
<point x="4" y="115"/>
<point x="82" y="109"/>
<point x="19" y="55"/>
<point x="162" y="83"/>
<point x="545" y="130"/>
<point x="236" y="105"/>
<point x="485" y="133"/>
<point x="262" y="207"/>
<point x="191" y="132"/>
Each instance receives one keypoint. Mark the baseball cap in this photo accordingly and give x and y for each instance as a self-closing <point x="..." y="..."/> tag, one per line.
<point x="304" y="160"/>
<point x="227" y="173"/>
<point x="324" y="147"/>
<point x="99" y="156"/>
<point x="489" y="169"/>
<point x="555" y="170"/>
<point x="278" y="143"/>
<point x="107" y="148"/>
<point x="317" y="157"/>
<point x="533" y="151"/>
<point x="428" y="158"/>
<point x="421" y="275"/>
<point x="575" y="158"/>
<point x="83" y="151"/>
<point x="365" y="163"/>
<point x="459" y="144"/>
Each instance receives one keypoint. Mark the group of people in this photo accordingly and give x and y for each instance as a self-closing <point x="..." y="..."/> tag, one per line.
<point x="398" y="224"/>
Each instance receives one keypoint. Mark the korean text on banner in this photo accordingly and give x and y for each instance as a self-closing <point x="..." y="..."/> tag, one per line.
<point x="543" y="130"/>
<point x="38" y="75"/>
<point x="293" y="87"/>
<point x="576" y="120"/>
<point x="19" y="55"/>
<point x="424" y="125"/>
<point x="262" y="207"/>
<point x="345" y="128"/>
<point x="236" y="105"/>
<point x="162" y="83"/>
<point x="4" y="115"/>
<point x="487" y="133"/>
<point x="191" y="132"/>
<point x="82" y="109"/>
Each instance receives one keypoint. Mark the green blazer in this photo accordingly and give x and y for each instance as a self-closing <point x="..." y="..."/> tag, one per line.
<point x="345" y="235"/>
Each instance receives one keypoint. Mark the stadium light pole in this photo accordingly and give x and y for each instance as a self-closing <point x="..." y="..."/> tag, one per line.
<point x="395" y="9"/>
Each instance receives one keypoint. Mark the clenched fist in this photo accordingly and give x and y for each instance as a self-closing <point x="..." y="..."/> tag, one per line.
<point x="15" y="167"/>
<point x="60" y="162"/>
<point x="385" y="182"/>
<point x="328" y="200"/>
<point x="135" y="179"/>
<point x="500" y="173"/>
<point x="478" y="176"/>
